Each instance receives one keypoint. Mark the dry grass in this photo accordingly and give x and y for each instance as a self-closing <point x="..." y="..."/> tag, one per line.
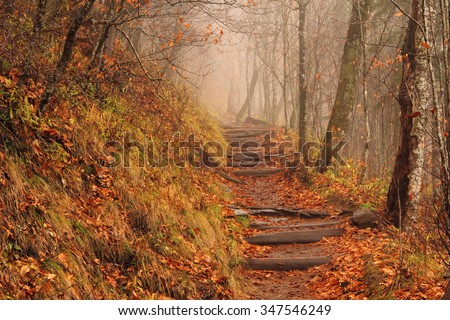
<point x="72" y="228"/>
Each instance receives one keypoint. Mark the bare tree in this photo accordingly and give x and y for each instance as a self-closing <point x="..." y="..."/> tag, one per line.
<point x="66" y="55"/>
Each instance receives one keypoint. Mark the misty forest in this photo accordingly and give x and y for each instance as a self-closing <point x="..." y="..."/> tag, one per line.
<point x="224" y="149"/>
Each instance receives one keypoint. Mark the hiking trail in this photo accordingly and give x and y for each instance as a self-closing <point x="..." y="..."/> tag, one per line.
<point x="286" y="245"/>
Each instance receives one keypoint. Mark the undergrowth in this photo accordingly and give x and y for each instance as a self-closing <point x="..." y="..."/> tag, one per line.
<point x="383" y="262"/>
<point x="343" y="189"/>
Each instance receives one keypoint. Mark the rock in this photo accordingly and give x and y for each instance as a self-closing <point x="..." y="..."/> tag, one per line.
<point x="239" y="212"/>
<point x="364" y="218"/>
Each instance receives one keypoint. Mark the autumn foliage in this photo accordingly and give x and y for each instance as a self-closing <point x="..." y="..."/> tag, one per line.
<point x="71" y="226"/>
<point x="84" y="214"/>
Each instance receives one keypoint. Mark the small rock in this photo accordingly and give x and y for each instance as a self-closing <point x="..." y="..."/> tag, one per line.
<point x="364" y="218"/>
<point x="240" y="212"/>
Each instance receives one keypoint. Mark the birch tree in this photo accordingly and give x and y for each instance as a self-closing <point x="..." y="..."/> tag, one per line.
<point x="404" y="190"/>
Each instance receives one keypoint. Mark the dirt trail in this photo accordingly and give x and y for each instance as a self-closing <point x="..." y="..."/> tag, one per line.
<point x="279" y="285"/>
<point x="262" y="199"/>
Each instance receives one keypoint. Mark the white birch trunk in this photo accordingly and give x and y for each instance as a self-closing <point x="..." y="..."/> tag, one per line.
<point x="421" y="99"/>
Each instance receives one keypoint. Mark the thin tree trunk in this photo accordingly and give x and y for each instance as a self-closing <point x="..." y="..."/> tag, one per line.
<point x="266" y="88"/>
<point x="302" y="90"/>
<point x="246" y="106"/>
<point x="66" y="54"/>
<point x="317" y="88"/>
<point x="293" y="94"/>
<point x="274" y="109"/>
<point x="285" y="66"/>
<point x="95" y="58"/>
<point x="365" y="156"/>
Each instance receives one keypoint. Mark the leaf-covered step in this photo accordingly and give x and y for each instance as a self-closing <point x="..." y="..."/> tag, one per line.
<point x="286" y="264"/>
<point x="304" y="213"/>
<point x="298" y="226"/>
<point x="256" y="172"/>
<point x="243" y="164"/>
<point x="303" y="236"/>
<point x="246" y="134"/>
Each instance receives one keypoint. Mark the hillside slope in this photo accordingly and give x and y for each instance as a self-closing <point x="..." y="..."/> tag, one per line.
<point x="84" y="211"/>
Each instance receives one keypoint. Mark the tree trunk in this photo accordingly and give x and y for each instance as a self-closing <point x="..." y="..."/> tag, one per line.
<point x="302" y="74"/>
<point x="447" y="106"/>
<point x="246" y="106"/>
<point x="447" y="292"/>
<point x="293" y="94"/>
<point x="440" y="108"/>
<point x="66" y="54"/>
<point x="348" y="76"/>
<point x="95" y="58"/>
<point x="365" y="156"/>
<point x="115" y="14"/>
<point x="399" y="197"/>
<point x="266" y="88"/>
<point x="285" y="66"/>
<point x="275" y="100"/>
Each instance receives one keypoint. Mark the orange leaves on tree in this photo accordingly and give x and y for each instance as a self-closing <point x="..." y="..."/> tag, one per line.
<point x="425" y="45"/>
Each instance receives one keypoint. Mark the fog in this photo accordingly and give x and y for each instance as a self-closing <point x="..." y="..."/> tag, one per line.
<point x="268" y="60"/>
<point x="257" y="39"/>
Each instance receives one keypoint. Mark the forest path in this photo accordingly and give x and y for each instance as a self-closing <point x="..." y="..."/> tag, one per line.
<point x="286" y="240"/>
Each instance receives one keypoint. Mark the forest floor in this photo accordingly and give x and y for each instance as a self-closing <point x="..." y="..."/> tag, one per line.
<point x="369" y="263"/>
